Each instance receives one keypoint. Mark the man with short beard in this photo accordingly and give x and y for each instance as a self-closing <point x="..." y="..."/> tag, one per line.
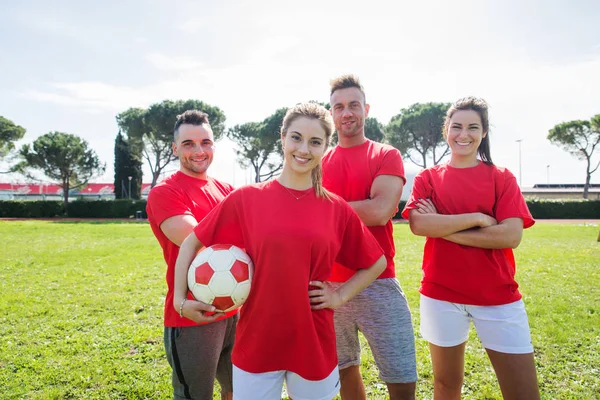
<point x="197" y="353"/>
<point x="370" y="177"/>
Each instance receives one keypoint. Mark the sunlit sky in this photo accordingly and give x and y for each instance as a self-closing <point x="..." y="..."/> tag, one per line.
<point x="73" y="66"/>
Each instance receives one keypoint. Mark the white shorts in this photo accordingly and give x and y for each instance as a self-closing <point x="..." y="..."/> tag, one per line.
<point x="269" y="385"/>
<point x="503" y="328"/>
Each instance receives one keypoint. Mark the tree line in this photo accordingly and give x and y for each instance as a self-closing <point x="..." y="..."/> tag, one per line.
<point x="146" y="136"/>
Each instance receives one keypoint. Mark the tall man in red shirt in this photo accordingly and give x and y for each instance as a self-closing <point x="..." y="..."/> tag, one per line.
<point x="197" y="353"/>
<point x="370" y="176"/>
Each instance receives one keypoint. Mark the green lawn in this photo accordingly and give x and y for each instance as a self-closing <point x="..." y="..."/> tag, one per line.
<point x="81" y="312"/>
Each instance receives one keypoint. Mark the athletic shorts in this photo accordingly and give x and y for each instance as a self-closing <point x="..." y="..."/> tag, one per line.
<point x="502" y="328"/>
<point x="381" y="313"/>
<point x="198" y="355"/>
<point x="269" y="385"/>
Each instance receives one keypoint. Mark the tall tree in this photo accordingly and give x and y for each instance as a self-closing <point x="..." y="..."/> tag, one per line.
<point x="259" y="145"/>
<point x="128" y="166"/>
<point x="374" y="129"/>
<point x="9" y="133"/>
<point x="580" y="138"/>
<point x="417" y="133"/>
<point x="151" y="131"/>
<point x="63" y="157"/>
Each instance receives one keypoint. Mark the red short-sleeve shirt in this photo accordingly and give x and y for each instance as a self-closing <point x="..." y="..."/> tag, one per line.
<point x="465" y="274"/>
<point x="349" y="172"/>
<point x="291" y="242"/>
<point x="180" y="194"/>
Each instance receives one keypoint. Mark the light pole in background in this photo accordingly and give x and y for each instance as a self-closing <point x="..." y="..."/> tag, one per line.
<point x="129" y="193"/>
<point x="548" y="174"/>
<point x="519" y="141"/>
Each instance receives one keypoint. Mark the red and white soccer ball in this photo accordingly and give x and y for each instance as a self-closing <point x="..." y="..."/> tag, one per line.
<point x="221" y="275"/>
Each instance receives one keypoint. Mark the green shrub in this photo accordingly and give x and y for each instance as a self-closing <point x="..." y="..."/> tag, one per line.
<point x="123" y="208"/>
<point x="127" y="208"/>
<point x="564" y="209"/>
<point x="31" y="209"/>
<point x="553" y="209"/>
<point x="77" y="209"/>
<point x="90" y="209"/>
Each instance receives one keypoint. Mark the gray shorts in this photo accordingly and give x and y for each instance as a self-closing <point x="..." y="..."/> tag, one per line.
<point x="198" y="355"/>
<point x="381" y="313"/>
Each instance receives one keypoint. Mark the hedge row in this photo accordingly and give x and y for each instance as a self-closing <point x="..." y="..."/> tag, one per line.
<point x="542" y="209"/>
<point x="564" y="209"/>
<point x="77" y="209"/>
<point x="553" y="209"/>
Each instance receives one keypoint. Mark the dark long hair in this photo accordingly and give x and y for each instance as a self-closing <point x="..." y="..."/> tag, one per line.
<point x="481" y="107"/>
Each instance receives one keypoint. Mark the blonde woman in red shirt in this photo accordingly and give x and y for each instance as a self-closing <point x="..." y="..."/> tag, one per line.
<point x="294" y="231"/>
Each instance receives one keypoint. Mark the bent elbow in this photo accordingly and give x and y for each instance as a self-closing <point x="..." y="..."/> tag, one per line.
<point x="515" y="242"/>
<point x="380" y="265"/>
<point x="415" y="231"/>
<point x="381" y="221"/>
<point x="379" y="218"/>
<point x="415" y="227"/>
<point x="375" y="220"/>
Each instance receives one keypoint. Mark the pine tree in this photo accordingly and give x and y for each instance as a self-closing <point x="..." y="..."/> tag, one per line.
<point x="127" y="164"/>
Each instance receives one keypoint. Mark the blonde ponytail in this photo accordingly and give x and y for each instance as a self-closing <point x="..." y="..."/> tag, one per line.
<point x="317" y="181"/>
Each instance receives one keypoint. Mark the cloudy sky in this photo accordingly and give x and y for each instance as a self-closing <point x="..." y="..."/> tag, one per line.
<point x="72" y="66"/>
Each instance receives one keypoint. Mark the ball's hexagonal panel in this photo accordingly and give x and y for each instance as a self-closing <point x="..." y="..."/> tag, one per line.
<point x="221" y="260"/>
<point x="203" y="293"/>
<point x="202" y="257"/>
<point x="240" y="254"/>
<point x="241" y="292"/>
<point x="222" y="283"/>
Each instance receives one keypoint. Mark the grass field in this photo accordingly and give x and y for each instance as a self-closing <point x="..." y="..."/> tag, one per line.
<point x="81" y="312"/>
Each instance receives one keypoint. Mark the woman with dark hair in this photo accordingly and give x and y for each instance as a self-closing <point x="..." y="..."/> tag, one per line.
<point x="473" y="214"/>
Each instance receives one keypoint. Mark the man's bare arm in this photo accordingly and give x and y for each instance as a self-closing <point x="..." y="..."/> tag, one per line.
<point x="178" y="227"/>
<point x="383" y="201"/>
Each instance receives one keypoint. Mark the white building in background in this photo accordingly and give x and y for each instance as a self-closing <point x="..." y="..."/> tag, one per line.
<point x="31" y="192"/>
<point x="561" y="191"/>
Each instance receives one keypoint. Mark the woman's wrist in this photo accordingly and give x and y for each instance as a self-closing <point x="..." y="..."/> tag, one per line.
<point x="177" y="302"/>
<point x="180" y="310"/>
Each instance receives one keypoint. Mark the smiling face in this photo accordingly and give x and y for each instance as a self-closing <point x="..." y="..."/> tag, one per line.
<point x="195" y="148"/>
<point x="304" y="145"/>
<point x="464" y="135"/>
<point x="349" y="111"/>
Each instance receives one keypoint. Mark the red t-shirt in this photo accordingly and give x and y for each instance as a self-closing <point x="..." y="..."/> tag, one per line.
<point x="349" y="173"/>
<point x="180" y="194"/>
<point x="291" y="242"/>
<point x="465" y="274"/>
